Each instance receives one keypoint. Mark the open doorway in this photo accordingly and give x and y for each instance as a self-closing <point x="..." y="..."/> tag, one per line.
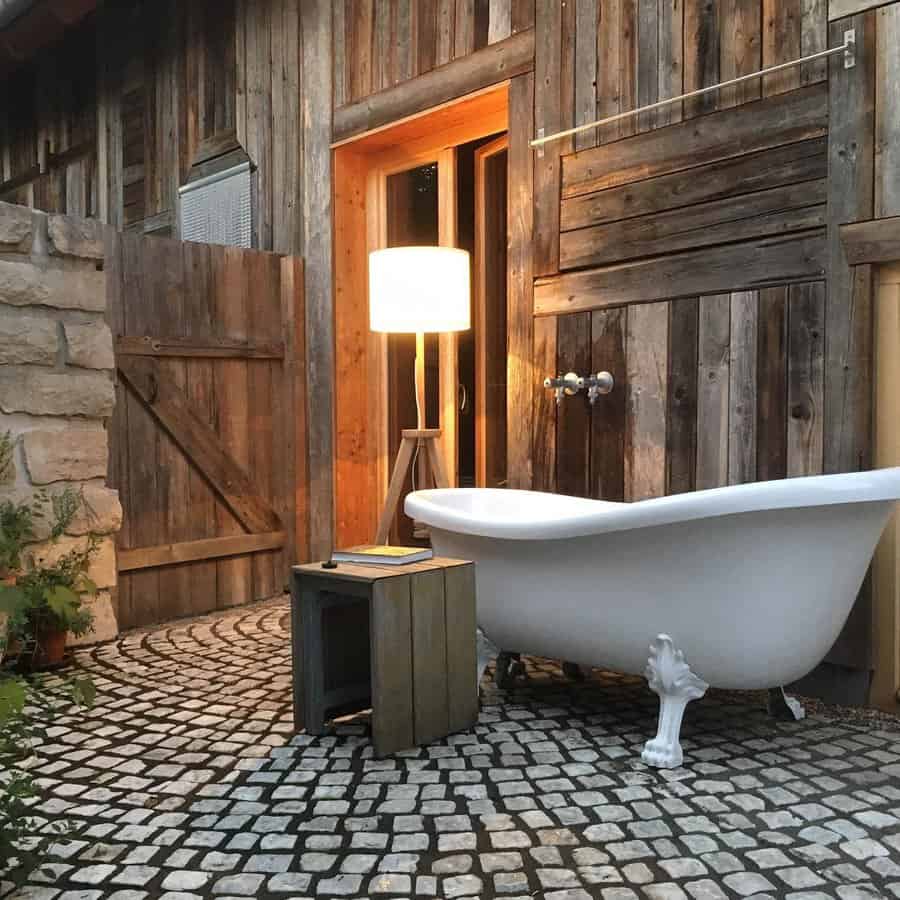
<point x="438" y="179"/>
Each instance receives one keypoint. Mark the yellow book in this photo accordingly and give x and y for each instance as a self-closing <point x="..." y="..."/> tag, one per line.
<point x="382" y="555"/>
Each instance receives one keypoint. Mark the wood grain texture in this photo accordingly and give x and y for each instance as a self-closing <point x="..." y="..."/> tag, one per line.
<point x="771" y="387"/>
<point x="848" y="325"/>
<point x="573" y="431"/>
<point x="776" y="211"/>
<point x="190" y="551"/>
<point x="459" y="598"/>
<point x="840" y="9"/>
<point x="494" y="63"/>
<point x="316" y="27"/>
<point x="520" y="290"/>
<point x="713" y="378"/>
<point x="164" y="398"/>
<point x="429" y="657"/>
<point x="586" y="72"/>
<point x="742" y="387"/>
<point x="741" y="51"/>
<point x="806" y="355"/>
<point x="549" y="116"/>
<point x="887" y="112"/>
<point x="670" y="69"/>
<point x="681" y="404"/>
<point x="355" y="444"/>
<point x="702" y="38"/>
<point x="543" y="453"/>
<point x="645" y="431"/>
<point x="200" y="583"/>
<point x="782" y="33"/>
<point x="392" y="668"/>
<point x="779" y="166"/>
<point x="794" y="116"/>
<point x="872" y="241"/>
<point x="743" y="266"/>
<point x="231" y="298"/>
<point x="608" y="415"/>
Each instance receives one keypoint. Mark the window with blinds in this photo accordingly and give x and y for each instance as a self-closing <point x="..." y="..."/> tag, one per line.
<point x="217" y="209"/>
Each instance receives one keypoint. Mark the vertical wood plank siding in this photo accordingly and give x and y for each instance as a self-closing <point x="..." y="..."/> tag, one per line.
<point x="693" y="252"/>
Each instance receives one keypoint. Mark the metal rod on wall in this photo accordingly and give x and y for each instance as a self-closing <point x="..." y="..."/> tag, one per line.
<point x="847" y="48"/>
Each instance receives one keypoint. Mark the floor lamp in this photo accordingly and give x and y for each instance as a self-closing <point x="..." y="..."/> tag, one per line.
<point x="414" y="290"/>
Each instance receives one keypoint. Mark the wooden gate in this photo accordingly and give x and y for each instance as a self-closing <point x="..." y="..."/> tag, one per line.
<point x="208" y="439"/>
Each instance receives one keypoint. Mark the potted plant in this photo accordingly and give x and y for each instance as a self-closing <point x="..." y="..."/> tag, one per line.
<point x="28" y="705"/>
<point x="43" y="600"/>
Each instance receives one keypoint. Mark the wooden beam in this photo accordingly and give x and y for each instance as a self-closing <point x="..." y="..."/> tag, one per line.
<point x="839" y="9"/>
<point x="520" y="280"/>
<point x="848" y="365"/>
<point x="220" y="348"/>
<point x="794" y="116"/>
<point x="794" y="207"/>
<point x="873" y="241"/>
<point x="732" y="267"/>
<point x="167" y="403"/>
<point x="778" y="166"/>
<point x="132" y="560"/>
<point x="494" y="63"/>
<point x="318" y="251"/>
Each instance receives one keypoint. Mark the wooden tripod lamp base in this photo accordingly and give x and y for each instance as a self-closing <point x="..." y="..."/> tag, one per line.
<point x="417" y="290"/>
<point x="427" y="440"/>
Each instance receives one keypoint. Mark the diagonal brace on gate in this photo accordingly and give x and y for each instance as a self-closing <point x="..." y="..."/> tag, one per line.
<point x="166" y="402"/>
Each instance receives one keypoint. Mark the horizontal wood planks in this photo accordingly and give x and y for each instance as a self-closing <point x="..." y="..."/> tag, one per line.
<point x="873" y="241"/>
<point x="795" y="116"/>
<point x="741" y="266"/>
<point x="780" y="210"/>
<point x="205" y="447"/>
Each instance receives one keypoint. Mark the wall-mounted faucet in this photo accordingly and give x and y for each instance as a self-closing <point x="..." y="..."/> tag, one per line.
<point x="601" y="383"/>
<point x="571" y="383"/>
<point x="568" y="384"/>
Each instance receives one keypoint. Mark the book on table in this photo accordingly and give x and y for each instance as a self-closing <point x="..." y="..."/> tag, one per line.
<point x="382" y="555"/>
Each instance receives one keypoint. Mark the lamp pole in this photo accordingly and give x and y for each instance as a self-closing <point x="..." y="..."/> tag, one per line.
<point x="420" y="379"/>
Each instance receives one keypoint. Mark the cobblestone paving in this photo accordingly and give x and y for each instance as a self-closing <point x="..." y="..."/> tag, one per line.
<point x="186" y="782"/>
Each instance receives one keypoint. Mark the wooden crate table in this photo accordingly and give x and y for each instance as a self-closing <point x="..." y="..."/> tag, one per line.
<point x="400" y="639"/>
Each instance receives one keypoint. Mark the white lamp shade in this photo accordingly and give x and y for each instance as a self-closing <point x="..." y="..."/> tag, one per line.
<point x="418" y="289"/>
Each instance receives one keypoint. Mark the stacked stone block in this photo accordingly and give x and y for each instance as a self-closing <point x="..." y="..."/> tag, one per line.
<point x="56" y="380"/>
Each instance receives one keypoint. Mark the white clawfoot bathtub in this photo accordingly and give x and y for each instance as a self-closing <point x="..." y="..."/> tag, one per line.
<point x="737" y="587"/>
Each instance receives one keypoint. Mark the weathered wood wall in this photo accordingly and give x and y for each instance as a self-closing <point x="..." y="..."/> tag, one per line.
<point x="109" y="123"/>
<point x="694" y="251"/>
<point x="208" y="438"/>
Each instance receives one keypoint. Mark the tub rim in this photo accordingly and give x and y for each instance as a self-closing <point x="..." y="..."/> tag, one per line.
<point x="590" y="517"/>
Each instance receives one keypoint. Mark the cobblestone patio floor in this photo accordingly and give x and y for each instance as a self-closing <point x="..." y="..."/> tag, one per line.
<point x="186" y="782"/>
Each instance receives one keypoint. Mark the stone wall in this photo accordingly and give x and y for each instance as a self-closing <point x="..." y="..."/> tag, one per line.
<point x="56" y="380"/>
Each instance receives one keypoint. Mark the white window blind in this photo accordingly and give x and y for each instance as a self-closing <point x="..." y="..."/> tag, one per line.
<point x="217" y="209"/>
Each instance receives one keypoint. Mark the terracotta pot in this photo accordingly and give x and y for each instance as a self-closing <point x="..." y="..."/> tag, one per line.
<point x="50" y="649"/>
<point x="6" y="581"/>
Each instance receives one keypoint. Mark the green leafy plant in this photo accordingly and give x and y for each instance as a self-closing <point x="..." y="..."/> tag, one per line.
<point x="26" y="708"/>
<point x="34" y="596"/>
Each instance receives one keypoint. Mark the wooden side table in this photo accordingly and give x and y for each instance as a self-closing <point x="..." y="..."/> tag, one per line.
<point x="398" y="638"/>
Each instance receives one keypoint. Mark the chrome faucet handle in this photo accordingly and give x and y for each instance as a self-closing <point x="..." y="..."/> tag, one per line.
<point x="601" y="383"/>
<point x="565" y="385"/>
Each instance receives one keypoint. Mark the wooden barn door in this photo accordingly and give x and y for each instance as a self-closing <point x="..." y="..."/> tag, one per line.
<point x="208" y="438"/>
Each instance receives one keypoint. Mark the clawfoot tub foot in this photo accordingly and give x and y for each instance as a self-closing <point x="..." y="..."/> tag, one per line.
<point x="509" y="668"/>
<point x="573" y="671"/>
<point x="787" y="709"/>
<point x="671" y="678"/>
